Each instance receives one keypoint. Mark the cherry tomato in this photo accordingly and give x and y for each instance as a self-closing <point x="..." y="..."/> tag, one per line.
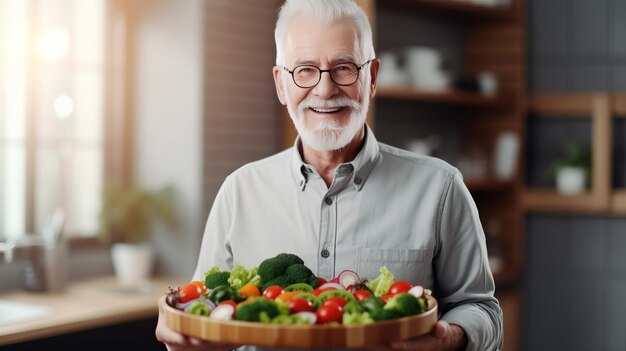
<point x="201" y="285"/>
<point x="362" y="294"/>
<point x="273" y="291"/>
<point x="329" y="313"/>
<point x="335" y="300"/>
<point x="299" y="304"/>
<point x="189" y="292"/>
<point x="321" y="280"/>
<point x="386" y="298"/>
<point x="400" y="286"/>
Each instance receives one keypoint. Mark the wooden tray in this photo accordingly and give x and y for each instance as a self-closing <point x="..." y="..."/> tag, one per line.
<point x="262" y="334"/>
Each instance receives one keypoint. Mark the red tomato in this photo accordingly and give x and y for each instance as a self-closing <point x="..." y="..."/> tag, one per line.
<point x="329" y="313"/>
<point x="361" y="295"/>
<point x="299" y="304"/>
<point x="189" y="292"/>
<point x="321" y="280"/>
<point x="400" y="286"/>
<point x="386" y="298"/>
<point x="201" y="285"/>
<point x="273" y="291"/>
<point x="335" y="300"/>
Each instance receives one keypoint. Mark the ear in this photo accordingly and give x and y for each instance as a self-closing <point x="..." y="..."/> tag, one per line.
<point x="374" y="67"/>
<point x="279" y="85"/>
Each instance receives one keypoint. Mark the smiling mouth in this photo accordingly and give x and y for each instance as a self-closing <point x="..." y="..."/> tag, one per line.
<point x="327" y="110"/>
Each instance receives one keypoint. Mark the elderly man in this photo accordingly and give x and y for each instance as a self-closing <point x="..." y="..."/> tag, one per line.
<point x="341" y="200"/>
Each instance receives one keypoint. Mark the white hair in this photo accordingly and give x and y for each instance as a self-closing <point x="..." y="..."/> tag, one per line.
<point x="324" y="11"/>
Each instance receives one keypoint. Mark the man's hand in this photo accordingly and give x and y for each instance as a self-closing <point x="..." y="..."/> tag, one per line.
<point x="444" y="337"/>
<point x="178" y="342"/>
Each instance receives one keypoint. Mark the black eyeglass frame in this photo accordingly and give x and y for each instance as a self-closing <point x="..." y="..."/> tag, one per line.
<point x="319" y="76"/>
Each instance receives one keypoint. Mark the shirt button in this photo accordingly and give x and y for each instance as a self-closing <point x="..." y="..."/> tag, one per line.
<point x="325" y="253"/>
<point x="328" y="201"/>
<point x="357" y="180"/>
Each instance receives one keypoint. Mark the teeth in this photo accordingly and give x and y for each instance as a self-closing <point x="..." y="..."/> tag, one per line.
<point x="326" y="110"/>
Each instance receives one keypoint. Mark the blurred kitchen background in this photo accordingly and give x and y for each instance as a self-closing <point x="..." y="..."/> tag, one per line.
<point x="119" y="120"/>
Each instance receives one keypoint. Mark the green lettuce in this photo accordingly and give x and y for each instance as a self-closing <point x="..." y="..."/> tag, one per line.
<point x="380" y="285"/>
<point x="240" y="276"/>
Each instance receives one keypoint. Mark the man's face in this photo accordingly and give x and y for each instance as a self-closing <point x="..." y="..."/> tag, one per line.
<point x="327" y="116"/>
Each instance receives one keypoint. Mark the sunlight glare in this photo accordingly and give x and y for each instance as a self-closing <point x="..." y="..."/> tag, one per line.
<point x="54" y="44"/>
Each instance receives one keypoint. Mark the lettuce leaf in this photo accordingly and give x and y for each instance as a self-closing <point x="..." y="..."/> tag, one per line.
<point x="380" y="285"/>
<point x="240" y="276"/>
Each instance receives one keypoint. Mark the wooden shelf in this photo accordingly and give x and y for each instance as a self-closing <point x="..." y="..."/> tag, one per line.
<point x="446" y="97"/>
<point x="618" y="202"/>
<point x="549" y="200"/>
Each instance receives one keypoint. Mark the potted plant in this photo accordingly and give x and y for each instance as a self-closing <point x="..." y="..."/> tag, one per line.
<point x="126" y="220"/>
<point x="572" y="172"/>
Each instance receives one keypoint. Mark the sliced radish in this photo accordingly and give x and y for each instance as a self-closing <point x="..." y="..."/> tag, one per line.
<point x="223" y="312"/>
<point x="331" y="285"/>
<point x="182" y="305"/>
<point x="309" y="316"/>
<point x="348" y="278"/>
<point x="416" y="291"/>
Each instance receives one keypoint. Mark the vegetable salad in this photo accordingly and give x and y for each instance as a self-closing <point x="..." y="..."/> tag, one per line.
<point x="282" y="290"/>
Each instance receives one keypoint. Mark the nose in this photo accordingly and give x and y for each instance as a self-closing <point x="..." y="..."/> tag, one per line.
<point x="326" y="88"/>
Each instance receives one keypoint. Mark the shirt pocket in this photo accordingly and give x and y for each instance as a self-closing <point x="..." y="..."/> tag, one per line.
<point x="405" y="264"/>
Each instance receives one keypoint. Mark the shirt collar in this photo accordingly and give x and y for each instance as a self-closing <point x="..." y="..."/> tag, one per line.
<point x="363" y="163"/>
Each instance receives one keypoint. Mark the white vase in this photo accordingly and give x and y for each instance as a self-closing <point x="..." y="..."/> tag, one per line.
<point x="132" y="263"/>
<point x="570" y="180"/>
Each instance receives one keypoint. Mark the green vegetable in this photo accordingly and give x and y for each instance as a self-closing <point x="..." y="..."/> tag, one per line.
<point x="383" y="314"/>
<point x="299" y="287"/>
<point x="405" y="304"/>
<point x="372" y="303"/>
<point x="292" y="319"/>
<point x="240" y="276"/>
<point x="341" y="293"/>
<point x="285" y="269"/>
<point x="282" y="280"/>
<point x="298" y="272"/>
<point x="380" y="285"/>
<point x="353" y="307"/>
<point x="223" y="293"/>
<point x="257" y="310"/>
<point x="214" y="277"/>
<point x="200" y="308"/>
<point x="356" y="318"/>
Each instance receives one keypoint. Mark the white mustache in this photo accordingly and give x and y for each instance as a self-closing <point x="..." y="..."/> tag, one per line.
<point x="341" y="101"/>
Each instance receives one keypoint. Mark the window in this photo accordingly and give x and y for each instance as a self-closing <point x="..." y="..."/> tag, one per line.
<point x="53" y="83"/>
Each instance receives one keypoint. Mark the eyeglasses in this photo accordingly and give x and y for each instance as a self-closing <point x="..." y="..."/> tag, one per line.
<point x="308" y="76"/>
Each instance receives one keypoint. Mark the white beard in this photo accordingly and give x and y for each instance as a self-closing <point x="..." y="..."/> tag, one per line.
<point x="329" y="134"/>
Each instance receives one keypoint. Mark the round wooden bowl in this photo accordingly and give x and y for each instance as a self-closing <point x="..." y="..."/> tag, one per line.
<point x="298" y="336"/>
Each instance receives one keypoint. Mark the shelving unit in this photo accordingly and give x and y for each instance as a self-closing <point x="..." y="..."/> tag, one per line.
<point x="470" y="99"/>
<point x="601" y="108"/>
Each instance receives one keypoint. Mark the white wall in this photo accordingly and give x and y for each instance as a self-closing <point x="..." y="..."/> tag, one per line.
<point x="168" y="114"/>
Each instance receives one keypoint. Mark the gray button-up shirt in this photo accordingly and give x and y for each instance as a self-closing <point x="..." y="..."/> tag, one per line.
<point x="410" y="213"/>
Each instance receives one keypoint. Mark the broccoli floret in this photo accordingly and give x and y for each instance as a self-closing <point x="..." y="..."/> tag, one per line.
<point x="271" y="268"/>
<point x="313" y="281"/>
<point x="282" y="280"/>
<point x="299" y="273"/>
<point x="213" y="279"/>
<point x="290" y="258"/>
<point x="257" y="310"/>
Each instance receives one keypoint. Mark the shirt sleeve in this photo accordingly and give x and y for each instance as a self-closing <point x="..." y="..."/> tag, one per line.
<point x="215" y="246"/>
<point x="464" y="283"/>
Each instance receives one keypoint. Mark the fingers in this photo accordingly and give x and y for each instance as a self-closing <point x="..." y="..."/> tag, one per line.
<point x="441" y="329"/>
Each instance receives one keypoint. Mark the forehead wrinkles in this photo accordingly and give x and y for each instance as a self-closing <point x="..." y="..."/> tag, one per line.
<point x="310" y="41"/>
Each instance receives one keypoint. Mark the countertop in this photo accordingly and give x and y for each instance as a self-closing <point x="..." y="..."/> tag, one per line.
<point x="85" y="305"/>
